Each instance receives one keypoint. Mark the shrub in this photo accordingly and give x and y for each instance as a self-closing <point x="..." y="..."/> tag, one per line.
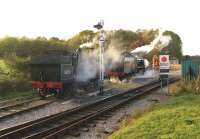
<point x="197" y="85"/>
<point x="181" y="87"/>
<point x="14" y="86"/>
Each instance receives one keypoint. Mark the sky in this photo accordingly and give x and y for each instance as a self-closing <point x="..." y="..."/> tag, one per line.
<point x="65" y="18"/>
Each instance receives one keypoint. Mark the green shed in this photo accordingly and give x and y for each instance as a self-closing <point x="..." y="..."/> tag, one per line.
<point x="190" y="68"/>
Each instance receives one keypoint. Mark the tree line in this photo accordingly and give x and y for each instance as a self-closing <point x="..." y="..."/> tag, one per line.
<point x="15" y="52"/>
<point x="129" y="40"/>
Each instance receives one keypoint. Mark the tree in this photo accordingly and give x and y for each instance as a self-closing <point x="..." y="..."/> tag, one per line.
<point x="82" y="37"/>
<point x="175" y="45"/>
<point x="147" y="36"/>
<point x="125" y="37"/>
<point x="8" y="46"/>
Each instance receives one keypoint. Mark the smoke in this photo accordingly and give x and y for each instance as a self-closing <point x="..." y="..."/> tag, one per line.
<point x="148" y="74"/>
<point x="87" y="45"/>
<point x="165" y="40"/>
<point x="159" y="42"/>
<point x="112" y="54"/>
<point x="88" y="64"/>
<point x="146" y="63"/>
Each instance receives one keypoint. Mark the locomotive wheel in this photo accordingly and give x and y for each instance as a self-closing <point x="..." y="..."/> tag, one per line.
<point x="42" y="93"/>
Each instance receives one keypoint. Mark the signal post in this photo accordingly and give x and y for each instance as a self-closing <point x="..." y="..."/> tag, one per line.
<point x="164" y="71"/>
<point x="99" y="26"/>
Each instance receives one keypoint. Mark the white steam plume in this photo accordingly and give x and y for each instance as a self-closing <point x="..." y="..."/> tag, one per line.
<point x="87" y="45"/>
<point x="88" y="65"/>
<point x="112" y="55"/>
<point x="160" y="41"/>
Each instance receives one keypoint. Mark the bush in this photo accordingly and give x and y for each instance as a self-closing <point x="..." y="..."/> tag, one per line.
<point x="197" y="85"/>
<point x="181" y="87"/>
<point x="192" y="86"/>
<point x="14" y="86"/>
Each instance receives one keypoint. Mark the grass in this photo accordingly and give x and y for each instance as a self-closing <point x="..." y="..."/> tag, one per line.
<point x="13" y="95"/>
<point x="178" y="118"/>
<point x="167" y="120"/>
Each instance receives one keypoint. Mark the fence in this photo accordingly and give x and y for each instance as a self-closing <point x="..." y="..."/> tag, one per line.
<point x="190" y="69"/>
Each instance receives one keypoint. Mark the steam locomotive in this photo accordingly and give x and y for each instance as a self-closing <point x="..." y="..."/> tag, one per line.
<point x="55" y="72"/>
<point x="127" y="65"/>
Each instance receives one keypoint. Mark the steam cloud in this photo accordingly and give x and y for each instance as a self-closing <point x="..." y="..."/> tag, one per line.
<point x="112" y="55"/>
<point x="87" y="45"/>
<point x="88" y="65"/>
<point x="159" y="42"/>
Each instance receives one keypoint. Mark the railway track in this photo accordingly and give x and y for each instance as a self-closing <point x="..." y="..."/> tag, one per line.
<point x="16" y="100"/>
<point x="55" y="126"/>
<point x="21" y="107"/>
<point x="9" y="104"/>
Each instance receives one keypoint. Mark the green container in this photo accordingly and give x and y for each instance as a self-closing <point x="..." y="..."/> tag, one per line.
<point x="190" y="69"/>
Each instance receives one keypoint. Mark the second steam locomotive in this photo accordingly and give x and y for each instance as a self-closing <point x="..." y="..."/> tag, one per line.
<point x="127" y="65"/>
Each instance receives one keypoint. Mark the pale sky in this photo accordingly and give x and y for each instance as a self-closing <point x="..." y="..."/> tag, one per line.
<point x="64" y="18"/>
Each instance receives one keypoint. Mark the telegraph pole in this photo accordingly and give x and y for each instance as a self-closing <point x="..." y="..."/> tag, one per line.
<point x="99" y="26"/>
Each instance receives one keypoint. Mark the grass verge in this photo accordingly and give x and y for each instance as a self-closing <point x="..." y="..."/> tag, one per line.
<point x="178" y="118"/>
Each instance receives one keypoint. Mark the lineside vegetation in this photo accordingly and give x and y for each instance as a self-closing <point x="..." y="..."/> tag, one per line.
<point x="177" y="118"/>
<point x="15" y="52"/>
